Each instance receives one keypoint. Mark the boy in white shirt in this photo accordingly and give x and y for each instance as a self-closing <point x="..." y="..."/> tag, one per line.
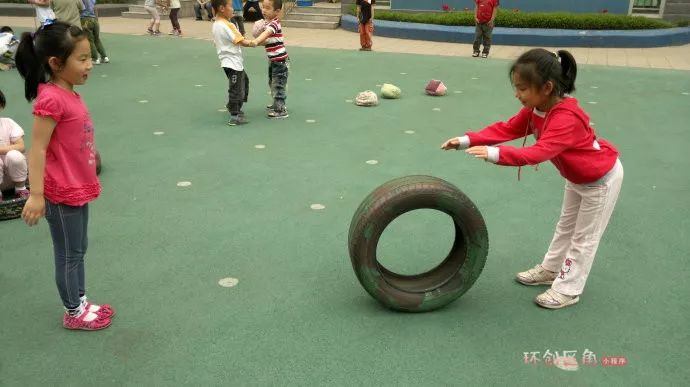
<point x="228" y="40"/>
<point x="13" y="168"/>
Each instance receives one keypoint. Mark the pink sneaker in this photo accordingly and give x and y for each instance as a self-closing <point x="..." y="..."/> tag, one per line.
<point x="103" y="310"/>
<point x="22" y="194"/>
<point x="79" y="322"/>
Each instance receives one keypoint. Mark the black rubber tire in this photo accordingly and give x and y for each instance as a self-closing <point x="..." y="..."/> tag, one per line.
<point x="11" y="208"/>
<point x="438" y="286"/>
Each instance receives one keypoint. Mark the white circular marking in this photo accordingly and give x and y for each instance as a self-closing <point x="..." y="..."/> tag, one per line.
<point x="311" y="121"/>
<point x="653" y="187"/>
<point x="403" y="73"/>
<point x="372" y="162"/>
<point x="436" y="109"/>
<point x="146" y="52"/>
<point x="592" y="124"/>
<point x="158" y="133"/>
<point x="592" y="102"/>
<point x="155" y="65"/>
<point x="307" y="79"/>
<point x="409" y="131"/>
<point x="594" y="87"/>
<point x="184" y="183"/>
<point x="260" y="146"/>
<point x="338" y="68"/>
<point x="685" y="93"/>
<point x="458" y="92"/>
<point x="144" y="101"/>
<point x="475" y="78"/>
<point x="378" y="85"/>
<point x="348" y="101"/>
<point x="317" y="206"/>
<point x="222" y="110"/>
<point x="104" y="76"/>
<point x="228" y="282"/>
<point x="198" y="85"/>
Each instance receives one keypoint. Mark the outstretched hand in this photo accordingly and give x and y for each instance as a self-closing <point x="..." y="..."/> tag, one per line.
<point x="480" y="152"/>
<point x="452" y="143"/>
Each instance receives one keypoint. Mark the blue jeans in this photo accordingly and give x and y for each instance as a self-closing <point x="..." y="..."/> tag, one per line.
<point x="68" y="225"/>
<point x="277" y="80"/>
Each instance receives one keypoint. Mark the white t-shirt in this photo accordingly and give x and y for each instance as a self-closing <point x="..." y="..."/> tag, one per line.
<point x="43" y="13"/>
<point x="226" y="38"/>
<point x="174" y="4"/>
<point x="10" y="131"/>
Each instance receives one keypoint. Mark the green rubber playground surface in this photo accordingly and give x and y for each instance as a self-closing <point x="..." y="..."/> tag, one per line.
<point x="298" y="316"/>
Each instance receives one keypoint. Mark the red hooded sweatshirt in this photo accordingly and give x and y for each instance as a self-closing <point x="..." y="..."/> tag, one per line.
<point x="563" y="135"/>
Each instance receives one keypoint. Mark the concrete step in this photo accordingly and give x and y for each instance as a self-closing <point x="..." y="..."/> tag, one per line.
<point x="140" y="15"/>
<point x="310" y="24"/>
<point x="314" y="17"/>
<point x="677" y="9"/>
<point x="319" y="10"/>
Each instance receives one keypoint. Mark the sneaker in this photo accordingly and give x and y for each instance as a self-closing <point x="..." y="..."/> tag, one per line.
<point x="198" y="19"/>
<point x="20" y="194"/>
<point x="237" y="121"/>
<point x="270" y="108"/>
<point x="156" y="33"/>
<point x="103" y="310"/>
<point x="97" y="61"/>
<point x="536" y="276"/>
<point x="106" y="59"/>
<point x="87" y="321"/>
<point x="551" y="299"/>
<point x="475" y="54"/>
<point x="179" y="33"/>
<point x="150" y="31"/>
<point x="278" y="114"/>
<point x="485" y="55"/>
<point x="365" y="49"/>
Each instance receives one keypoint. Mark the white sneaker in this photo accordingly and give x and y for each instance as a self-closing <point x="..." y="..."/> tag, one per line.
<point x="536" y="276"/>
<point x="551" y="299"/>
<point x="106" y="59"/>
<point x="97" y="61"/>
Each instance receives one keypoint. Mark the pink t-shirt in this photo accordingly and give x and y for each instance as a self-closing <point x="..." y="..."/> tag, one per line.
<point x="70" y="171"/>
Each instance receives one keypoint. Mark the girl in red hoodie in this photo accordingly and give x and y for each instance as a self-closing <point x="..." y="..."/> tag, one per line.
<point x="590" y="166"/>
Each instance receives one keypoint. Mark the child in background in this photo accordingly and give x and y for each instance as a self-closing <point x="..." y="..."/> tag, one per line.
<point x="237" y="17"/>
<point x="278" y="60"/>
<point x="484" y="16"/>
<point x="365" y="16"/>
<point x="89" y="23"/>
<point x="44" y="13"/>
<point x="62" y="160"/>
<point x="13" y="170"/>
<point x="590" y="165"/>
<point x="174" y="20"/>
<point x="228" y="39"/>
<point x="8" y="48"/>
<point x="155" y="22"/>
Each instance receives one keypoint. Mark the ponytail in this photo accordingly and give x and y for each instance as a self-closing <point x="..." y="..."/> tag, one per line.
<point x="56" y="39"/>
<point x="568" y="71"/>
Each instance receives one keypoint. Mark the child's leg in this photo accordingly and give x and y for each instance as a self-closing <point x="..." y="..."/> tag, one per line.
<point x="279" y="77"/>
<point x="477" y="37"/>
<point x="488" y="32"/>
<point x="235" y="91"/>
<point x="87" y="26"/>
<point x="96" y="30"/>
<point x="174" y="20"/>
<point x="15" y="163"/>
<point x="369" y="33"/>
<point x="598" y="202"/>
<point x="560" y="244"/>
<point x="68" y="226"/>
<point x="362" y="35"/>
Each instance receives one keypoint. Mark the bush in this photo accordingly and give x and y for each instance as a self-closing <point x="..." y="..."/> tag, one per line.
<point x="512" y="19"/>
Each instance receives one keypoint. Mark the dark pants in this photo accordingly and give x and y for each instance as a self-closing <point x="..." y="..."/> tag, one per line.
<point x="238" y="91"/>
<point x="277" y="80"/>
<point x="483" y="33"/>
<point x="91" y="27"/>
<point x="252" y="11"/>
<point x="197" y="10"/>
<point x="68" y="226"/>
<point x="173" y="18"/>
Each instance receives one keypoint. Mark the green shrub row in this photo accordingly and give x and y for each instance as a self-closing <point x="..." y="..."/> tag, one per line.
<point x="512" y="19"/>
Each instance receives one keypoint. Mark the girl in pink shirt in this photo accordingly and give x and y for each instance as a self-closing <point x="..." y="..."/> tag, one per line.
<point x="62" y="159"/>
<point x="590" y="165"/>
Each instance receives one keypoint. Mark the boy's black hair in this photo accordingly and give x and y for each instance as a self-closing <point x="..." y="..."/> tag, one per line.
<point x="538" y="66"/>
<point x="216" y="4"/>
<point x="2" y="100"/>
<point x="57" y="39"/>
<point x="277" y="4"/>
<point x="6" y="29"/>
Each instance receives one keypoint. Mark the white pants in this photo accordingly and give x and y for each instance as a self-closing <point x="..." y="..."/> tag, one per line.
<point x="585" y="213"/>
<point x="12" y="165"/>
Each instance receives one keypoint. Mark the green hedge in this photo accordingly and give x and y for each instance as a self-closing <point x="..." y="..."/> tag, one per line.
<point x="97" y="1"/>
<point x="508" y="18"/>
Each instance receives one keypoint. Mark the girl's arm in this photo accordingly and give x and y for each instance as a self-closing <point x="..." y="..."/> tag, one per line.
<point x="35" y="207"/>
<point x="499" y="132"/>
<point x="557" y="136"/>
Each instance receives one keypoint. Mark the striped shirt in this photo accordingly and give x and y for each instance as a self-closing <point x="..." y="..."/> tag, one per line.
<point x="275" y="48"/>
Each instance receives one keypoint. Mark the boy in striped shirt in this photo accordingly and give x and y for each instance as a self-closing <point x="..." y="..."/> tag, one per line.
<point x="278" y="65"/>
